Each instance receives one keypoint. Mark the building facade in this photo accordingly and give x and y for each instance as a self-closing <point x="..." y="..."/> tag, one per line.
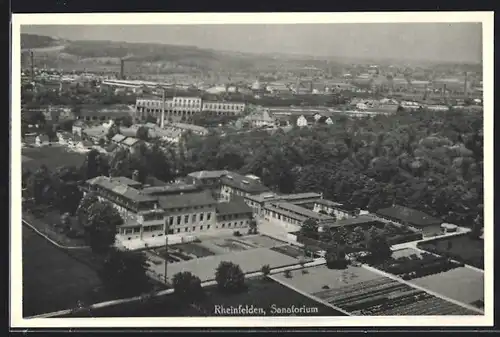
<point x="184" y="108"/>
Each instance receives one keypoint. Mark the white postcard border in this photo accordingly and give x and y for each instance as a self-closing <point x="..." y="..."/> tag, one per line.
<point x="16" y="319"/>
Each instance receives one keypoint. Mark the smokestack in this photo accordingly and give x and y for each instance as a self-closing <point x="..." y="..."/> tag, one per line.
<point x="122" y="66"/>
<point x="465" y="85"/>
<point x="162" y="121"/>
<point x="32" y="66"/>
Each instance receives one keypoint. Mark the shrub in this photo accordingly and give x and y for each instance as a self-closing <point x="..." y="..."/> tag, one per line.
<point x="237" y="233"/>
<point x="325" y="287"/>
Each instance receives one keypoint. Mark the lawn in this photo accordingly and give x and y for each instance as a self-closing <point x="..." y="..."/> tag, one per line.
<point x="51" y="156"/>
<point x="462" y="248"/>
<point x="461" y="284"/>
<point x="260" y="293"/>
<point x="230" y="245"/>
<point x="249" y="260"/>
<point x="54" y="280"/>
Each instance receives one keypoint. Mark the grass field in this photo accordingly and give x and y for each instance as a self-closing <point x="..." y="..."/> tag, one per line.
<point x="462" y="284"/>
<point x="461" y="248"/>
<point x="54" y="280"/>
<point x="259" y="293"/>
<point x="289" y="250"/>
<point x="50" y="156"/>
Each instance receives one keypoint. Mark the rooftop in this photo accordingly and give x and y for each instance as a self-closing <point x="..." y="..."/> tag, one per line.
<point x="203" y="198"/>
<point x="130" y="141"/>
<point x="302" y="211"/>
<point x="408" y="215"/>
<point x="237" y="206"/>
<point x="243" y="183"/>
<point x="126" y="181"/>
<point x="191" y="127"/>
<point x="207" y="174"/>
<point x="118" y="138"/>
<point x="113" y="185"/>
<point x="170" y="188"/>
<point x="359" y="220"/>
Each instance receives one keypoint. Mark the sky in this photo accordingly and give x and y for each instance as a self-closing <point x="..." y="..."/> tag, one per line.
<point x="442" y="42"/>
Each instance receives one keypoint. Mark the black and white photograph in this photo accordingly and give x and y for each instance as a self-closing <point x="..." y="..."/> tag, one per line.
<point x="252" y="170"/>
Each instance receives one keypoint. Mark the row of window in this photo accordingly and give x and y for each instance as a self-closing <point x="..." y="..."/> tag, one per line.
<point x="184" y="220"/>
<point x="147" y="229"/>
<point x="283" y="217"/>
<point x="206" y="106"/>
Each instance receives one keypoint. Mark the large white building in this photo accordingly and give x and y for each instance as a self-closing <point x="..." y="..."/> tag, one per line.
<point x="174" y="209"/>
<point x="184" y="108"/>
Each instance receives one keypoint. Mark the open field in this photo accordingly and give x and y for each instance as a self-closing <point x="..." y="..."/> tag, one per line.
<point x="461" y="248"/>
<point x="249" y="260"/>
<point x="362" y="292"/>
<point x="261" y="293"/>
<point x="54" y="280"/>
<point x="51" y="156"/>
<point x="462" y="284"/>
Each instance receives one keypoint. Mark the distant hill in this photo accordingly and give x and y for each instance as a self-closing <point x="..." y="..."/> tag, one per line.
<point x="31" y="41"/>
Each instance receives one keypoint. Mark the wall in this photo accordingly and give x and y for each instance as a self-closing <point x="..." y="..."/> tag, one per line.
<point x="187" y="227"/>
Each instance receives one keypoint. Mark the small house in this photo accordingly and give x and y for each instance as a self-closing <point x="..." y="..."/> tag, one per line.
<point x="42" y="139"/>
<point x="302" y="121"/>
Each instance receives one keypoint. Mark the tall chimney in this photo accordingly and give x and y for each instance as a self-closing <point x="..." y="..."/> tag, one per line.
<point x="162" y="121"/>
<point x="122" y="66"/>
<point x="32" y="66"/>
<point x="465" y="85"/>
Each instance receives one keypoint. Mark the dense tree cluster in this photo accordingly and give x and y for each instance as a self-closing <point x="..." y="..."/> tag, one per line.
<point x="427" y="161"/>
<point x="229" y="277"/>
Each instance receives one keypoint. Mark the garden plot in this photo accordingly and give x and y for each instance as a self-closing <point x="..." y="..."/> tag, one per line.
<point x="363" y="292"/>
<point x="249" y="260"/>
<point x="194" y="248"/>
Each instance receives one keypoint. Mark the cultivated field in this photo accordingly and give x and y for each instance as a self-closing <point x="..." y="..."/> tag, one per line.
<point x="54" y="280"/>
<point x="51" y="156"/>
<point x="362" y="292"/>
<point x="461" y="248"/>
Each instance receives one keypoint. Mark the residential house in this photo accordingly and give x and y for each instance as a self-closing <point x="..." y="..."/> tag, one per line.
<point x="78" y="127"/>
<point x="30" y="139"/>
<point x="261" y="118"/>
<point x="95" y="133"/>
<point x="132" y="144"/>
<point x="302" y="121"/>
<point x="85" y="145"/>
<point x="42" y="139"/>
<point x="118" y="139"/>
